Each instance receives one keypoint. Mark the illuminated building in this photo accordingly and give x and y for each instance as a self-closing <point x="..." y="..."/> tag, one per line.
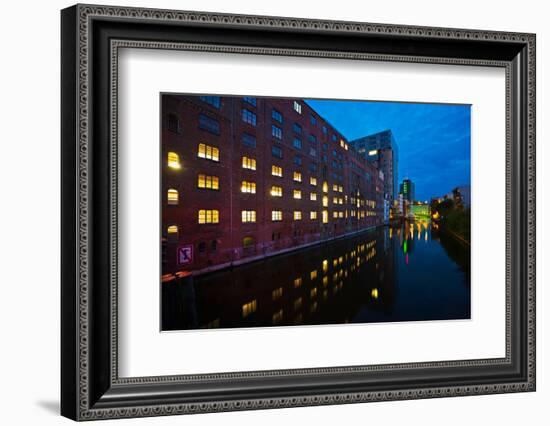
<point x="381" y="149"/>
<point x="245" y="177"/>
<point x="407" y="189"/>
<point x="421" y="211"/>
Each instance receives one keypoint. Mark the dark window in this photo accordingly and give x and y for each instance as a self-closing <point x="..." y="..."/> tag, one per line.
<point x="297" y="128"/>
<point x="312" y="151"/>
<point x="325" y="147"/>
<point x="202" y="247"/>
<point x="209" y="124"/>
<point x="297" y="160"/>
<point x="277" y="116"/>
<point x="313" y="120"/>
<point x="215" y="101"/>
<point x="313" y="167"/>
<point x="214" y="245"/>
<point x="249" y="140"/>
<point x="251" y="101"/>
<point x="312" y="138"/>
<point x="249" y="117"/>
<point x="297" y="143"/>
<point x="325" y="130"/>
<point x="276" y="152"/>
<point x="173" y="123"/>
<point x="276" y="132"/>
<point x="334" y="137"/>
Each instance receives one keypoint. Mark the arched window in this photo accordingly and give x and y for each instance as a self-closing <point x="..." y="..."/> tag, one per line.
<point x="173" y="197"/>
<point x="173" y="123"/>
<point x="172" y="232"/>
<point x="248" y="242"/>
<point x="174" y="161"/>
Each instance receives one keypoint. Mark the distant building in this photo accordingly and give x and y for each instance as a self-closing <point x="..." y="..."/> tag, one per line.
<point x="462" y="196"/>
<point x="407" y="189"/>
<point x="420" y="211"/>
<point x="381" y="149"/>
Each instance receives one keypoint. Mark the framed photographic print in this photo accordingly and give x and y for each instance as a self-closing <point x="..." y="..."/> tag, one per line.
<point x="266" y="212"/>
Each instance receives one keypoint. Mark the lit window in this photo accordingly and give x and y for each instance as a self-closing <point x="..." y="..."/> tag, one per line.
<point x="313" y="215"/>
<point x="325" y="187"/>
<point x="335" y="215"/>
<point x="297" y="194"/>
<point x="276" y="171"/>
<point x="248" y="216"/>
<point x="297" y="303"/>
<point x="340" y="215"/>
<point x="340" y="189"/>
<point x="325" y="201"/>
<point x="313" y="293"/>
<point x="173" y="197"/>
<point x="249" y="308"/>
<point x="174" y="161"/>
<point x="249" y="163"/>
<point x="313" y="196"/>
<point x="313" y="181"/>
<point x="277" y="317"/>
<point x="335" y="200"/>
<point x="297" y="107"/>
<point x="297" y="215"/>
<point x="373" y="152"/>
<point x="325" y="266"/>
<point x="297" y="282"/>
<point x="209" y="152"/>
<point x="276" y="215"/>
<point x="208" y="182"/>
<point x="248" y="187"/>
<point x="277" y="293"/>
<point x="335" y="187"/>
<point x="276" y="191"/>
<point x="172" y="229"/>
<point x="313" y="274"/>
<point x="325" y="216"/>
<point x="297" y="177"/>
<point x="209" y="216"/>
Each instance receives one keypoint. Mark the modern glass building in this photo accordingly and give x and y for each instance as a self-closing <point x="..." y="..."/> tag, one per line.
<point x="407" y="189"/>
<point x="381" y="148"/>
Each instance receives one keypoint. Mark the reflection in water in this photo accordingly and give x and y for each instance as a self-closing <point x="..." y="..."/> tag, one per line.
<point x="410" y="273"/>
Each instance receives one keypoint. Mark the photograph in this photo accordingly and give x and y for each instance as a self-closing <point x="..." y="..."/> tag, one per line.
<point x="280" y="211"/>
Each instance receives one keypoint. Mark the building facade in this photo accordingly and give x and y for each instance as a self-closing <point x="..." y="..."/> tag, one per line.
<point x="381" y="149"/>
<point x="406" y="188"/>
<point x="246" y="177"/>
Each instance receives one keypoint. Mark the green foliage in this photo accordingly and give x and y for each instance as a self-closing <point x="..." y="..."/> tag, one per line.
<point x="458" y="221"/>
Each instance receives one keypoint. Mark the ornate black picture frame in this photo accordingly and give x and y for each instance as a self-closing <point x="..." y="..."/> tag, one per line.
<point x="91" y="387"/>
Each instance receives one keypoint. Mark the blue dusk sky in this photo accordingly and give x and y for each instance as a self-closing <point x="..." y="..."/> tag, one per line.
<point x="433" y="139"/>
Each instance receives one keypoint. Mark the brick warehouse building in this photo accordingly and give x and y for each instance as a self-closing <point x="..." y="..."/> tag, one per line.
<point x="248" y="177"/>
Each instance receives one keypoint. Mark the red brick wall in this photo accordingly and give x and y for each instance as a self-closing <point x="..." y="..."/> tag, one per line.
<point x="268" y="236"/>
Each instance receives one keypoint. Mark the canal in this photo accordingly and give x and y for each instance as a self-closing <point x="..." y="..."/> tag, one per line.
<point x="409" y="273"/>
